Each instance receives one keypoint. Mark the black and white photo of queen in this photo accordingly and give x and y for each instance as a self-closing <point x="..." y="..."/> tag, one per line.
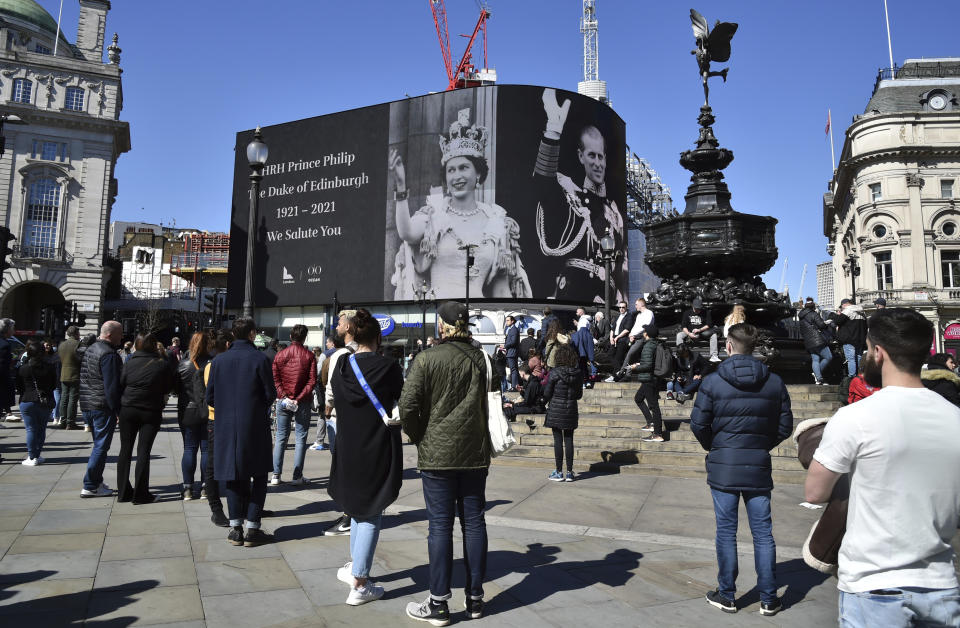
<point x="573" y="214"/>
<point x="433" y="236"/>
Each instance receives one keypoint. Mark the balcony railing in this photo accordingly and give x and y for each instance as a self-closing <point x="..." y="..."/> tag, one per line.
<point x="36" y="253"/>
<point x="933" y="69"/>
<point x="918" y="296"/>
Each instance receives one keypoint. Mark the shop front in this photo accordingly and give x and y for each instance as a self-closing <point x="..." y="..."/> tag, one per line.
<point x="951" y="339"/>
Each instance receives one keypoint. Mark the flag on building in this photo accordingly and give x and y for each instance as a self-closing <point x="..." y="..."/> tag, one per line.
<point x="826" y="131"/>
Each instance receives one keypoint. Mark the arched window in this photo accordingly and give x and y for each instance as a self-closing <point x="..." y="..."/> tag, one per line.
<point x="21" y="90"/>
<point x="41" y="227"/>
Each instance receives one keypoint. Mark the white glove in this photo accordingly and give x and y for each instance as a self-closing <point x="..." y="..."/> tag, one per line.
<point x="556" y="114"/>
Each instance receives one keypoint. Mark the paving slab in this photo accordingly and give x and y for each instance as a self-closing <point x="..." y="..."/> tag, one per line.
<point x="247" y="575"/>
<point x="264" y="608"/>
<point x="53" y="565"/>
<point x="67" y="521"/>
<point x="42" y="543"/>
<point x="168" y="572"/>
<point x="144" y="603"/>
<point x="147" y="546"/>
<point x="148" y="523"/>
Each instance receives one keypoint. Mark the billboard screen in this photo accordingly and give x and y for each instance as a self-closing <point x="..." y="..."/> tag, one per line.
<point x="371" y="203"/>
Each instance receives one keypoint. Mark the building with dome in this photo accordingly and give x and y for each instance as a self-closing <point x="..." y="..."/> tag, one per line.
<point x="891" y="215"/>
<point x="60" y="104"/>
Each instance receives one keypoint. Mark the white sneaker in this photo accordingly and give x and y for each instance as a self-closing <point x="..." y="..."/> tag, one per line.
<point x="300" y="481"/>
<point x="610" y="379"/>
<point x="367" y="593"/>
<point x="714" y="358"/>
<point x="345" y="574"/>
<point x="275" y="480"/>
<point x="55" y="422"/>
<point x="101" y="491"/>
<point x="29" y="462"/>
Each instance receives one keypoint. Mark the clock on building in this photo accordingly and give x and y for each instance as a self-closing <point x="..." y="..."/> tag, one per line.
<point x="937" y="102"/>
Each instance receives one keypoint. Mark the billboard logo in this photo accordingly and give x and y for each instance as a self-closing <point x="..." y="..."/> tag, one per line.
<point x="313" y="273"/>
<point x="287" y="277"/>
<point x="387" y="324"/>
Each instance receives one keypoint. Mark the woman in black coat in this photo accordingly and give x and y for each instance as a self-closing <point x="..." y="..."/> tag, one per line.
<point x="815" y="342"/>
<point x="940" y="378"/>
<point x="367" y="466"/>
<point x="36" y="379"/>
<point x="144" y="384"/>
<point x="564" y="386"/>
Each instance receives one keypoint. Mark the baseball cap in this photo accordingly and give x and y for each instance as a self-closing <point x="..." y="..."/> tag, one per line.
<point x="880" y="301"/>
<point x="454" y="313"/>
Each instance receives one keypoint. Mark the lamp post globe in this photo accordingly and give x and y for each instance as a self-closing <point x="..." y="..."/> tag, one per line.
<point x="257" y="157"/>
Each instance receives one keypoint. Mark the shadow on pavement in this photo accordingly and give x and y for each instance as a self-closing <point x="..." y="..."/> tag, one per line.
<point x="799" y="579"/>
<point x="542" y="577"/>
<point x="68" y="609"/>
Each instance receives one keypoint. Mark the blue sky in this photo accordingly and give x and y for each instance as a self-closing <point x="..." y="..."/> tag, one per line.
<point x="197" y="72"/>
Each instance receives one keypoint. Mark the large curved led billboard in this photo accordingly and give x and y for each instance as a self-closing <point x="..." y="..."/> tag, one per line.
<point x="373" y="202"/>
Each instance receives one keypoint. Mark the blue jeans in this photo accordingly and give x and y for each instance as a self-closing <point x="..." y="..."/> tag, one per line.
<point x="449" y="494"/>
<point x="820" y="360"/>
<point x="692" y="386"/>
<point x="56" y="403"/>
<point x="103" y="427"/>
<point x="364" y="534"/>
<point x="853" y="359"/>
<point x="725" y="505"/>
<point x="331" y="435"/>
<point x="302" y="420"/>
<point x="194" y="438"/>
<point x="905" y="606"/>
<point x="245" y="499"/>
<point x="35" y="423"/>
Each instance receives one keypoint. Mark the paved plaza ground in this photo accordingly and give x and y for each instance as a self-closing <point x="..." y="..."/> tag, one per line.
<point x="624" y="550"/>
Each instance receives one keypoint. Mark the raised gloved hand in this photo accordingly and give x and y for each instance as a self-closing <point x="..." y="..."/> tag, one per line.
<point x="556" y="113"/>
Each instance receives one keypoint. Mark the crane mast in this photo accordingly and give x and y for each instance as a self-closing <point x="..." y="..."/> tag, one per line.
<point x="591" y="85"/>
<point x="465" y="74"/>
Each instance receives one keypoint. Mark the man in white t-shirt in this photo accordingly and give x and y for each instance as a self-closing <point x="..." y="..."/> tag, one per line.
<point x="900" y="447"/>
<point x="643" y="318"/>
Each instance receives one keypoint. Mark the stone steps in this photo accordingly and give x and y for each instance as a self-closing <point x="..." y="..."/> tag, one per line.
<point x="609" y="436"/>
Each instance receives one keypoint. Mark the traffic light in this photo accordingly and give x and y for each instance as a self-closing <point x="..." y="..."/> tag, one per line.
<point x="5" y="238"/>
<point x="43" y="318"/>
<point x="210" y="302"/>
<point x="80" y="320"/>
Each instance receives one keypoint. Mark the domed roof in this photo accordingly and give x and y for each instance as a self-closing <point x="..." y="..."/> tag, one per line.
<point x="29" y="11"/>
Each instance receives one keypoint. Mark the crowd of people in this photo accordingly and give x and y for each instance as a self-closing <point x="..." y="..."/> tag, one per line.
<point x="890" y="453"/>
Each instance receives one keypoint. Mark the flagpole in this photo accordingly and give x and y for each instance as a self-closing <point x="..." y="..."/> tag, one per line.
<point x="833" y="158"/>
<point x="57" y="39"/>
<point x="886" y="14"/>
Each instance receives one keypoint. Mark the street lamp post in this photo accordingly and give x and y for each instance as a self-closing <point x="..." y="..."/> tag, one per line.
<point x="608" y="249"/>
<point x="425" y="296"/>
<point x="257" y="157"/>
<point x="469" y="249"/>
<point x="854" y="273"/>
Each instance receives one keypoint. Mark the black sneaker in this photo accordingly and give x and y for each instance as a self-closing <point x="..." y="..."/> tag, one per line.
<point x="474" y="608"/>
<point x="255" y="537"/>
<point x="235" y="536"/>
<point x="219" y="519"/>
<point x="771" y="608"/>
<point x="340" y="528"/>
<point x="723" y="603"/>
<point x="437" y="613"/>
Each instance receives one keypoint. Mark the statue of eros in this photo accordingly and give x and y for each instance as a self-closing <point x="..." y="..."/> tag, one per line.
<point x="712" y="45"/>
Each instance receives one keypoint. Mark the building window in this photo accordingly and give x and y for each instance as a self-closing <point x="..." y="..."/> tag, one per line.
<point x="884" y="263"/>
<point x="875" y="194"/>
<point x="949" y="228"/>
<point x="879" y="231"/>
<point x="946" y="188"/>
<point x="51" y="151"/>
<point x="21" y="90"/>
<point x="950" y="266"/>
<point x="74" y="99"/>
<point x="41" y="226"/>
<point x="42" y="49"/>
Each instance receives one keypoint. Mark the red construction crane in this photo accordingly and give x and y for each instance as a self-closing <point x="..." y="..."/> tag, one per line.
<point x="465" y="74"/>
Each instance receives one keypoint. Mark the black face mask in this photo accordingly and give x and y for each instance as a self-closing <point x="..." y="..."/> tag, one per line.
<point x="872" y="373"/>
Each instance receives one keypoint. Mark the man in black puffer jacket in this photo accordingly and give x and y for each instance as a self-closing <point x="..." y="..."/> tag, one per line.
<point x="742" y="412"/>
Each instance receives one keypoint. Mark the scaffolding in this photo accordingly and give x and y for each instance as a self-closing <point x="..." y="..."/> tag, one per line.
<point x="648" y="199"/>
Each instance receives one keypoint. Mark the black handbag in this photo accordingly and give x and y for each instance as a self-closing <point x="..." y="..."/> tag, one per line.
<point x="44" y="400"/>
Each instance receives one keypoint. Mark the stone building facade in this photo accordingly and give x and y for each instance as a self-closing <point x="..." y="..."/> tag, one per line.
<point x="57" y="183"/>
<point x="891" y="214"/>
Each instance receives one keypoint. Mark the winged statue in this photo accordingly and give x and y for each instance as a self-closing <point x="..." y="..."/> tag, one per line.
<point x="712" y="45"/>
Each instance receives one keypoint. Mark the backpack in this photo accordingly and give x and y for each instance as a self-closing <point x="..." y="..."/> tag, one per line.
<point x="200" y="392"/>
<point x="663" y="361"/>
